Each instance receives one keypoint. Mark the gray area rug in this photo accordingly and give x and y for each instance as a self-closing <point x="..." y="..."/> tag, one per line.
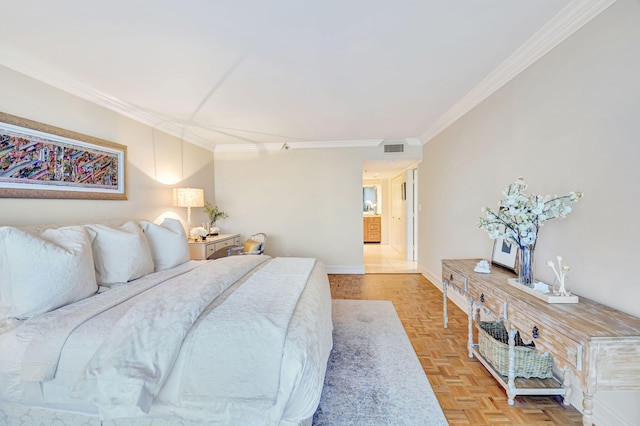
<point x="374" y="376"/>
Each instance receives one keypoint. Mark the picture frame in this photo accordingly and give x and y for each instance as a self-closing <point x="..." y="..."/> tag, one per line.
<point x="504" y="254"/>
<point x="42" y="161"/>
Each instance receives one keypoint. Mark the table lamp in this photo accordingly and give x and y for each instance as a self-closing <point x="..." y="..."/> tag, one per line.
<point x="188" y="197"/>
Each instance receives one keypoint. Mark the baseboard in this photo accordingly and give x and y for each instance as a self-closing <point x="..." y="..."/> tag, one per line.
<point x="333" y="269"/>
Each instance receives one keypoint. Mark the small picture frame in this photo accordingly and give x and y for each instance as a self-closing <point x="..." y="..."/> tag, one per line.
<point x="505" y="254"/>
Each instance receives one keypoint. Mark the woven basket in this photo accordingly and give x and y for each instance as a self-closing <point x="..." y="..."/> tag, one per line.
<point x="493" y="343"/>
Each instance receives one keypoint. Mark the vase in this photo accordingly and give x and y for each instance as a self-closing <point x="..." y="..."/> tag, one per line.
<point x="525" y="266"/>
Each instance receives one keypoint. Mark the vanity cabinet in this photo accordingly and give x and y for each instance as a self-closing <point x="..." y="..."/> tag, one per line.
<point x="372" y="229"/>
<point x="597" y="344"/>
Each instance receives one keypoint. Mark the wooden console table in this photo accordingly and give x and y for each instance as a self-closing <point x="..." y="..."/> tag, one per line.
<point x="598" y="344"/>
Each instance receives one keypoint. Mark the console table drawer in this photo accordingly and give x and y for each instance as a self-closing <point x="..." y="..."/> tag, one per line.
<point x="458" y="282"/>
<point x="548" y="339"/>
<point x="489" y="299"/>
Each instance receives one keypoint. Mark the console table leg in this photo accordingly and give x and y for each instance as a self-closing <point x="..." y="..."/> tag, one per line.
<point x="566" y="382"/>
<point x="587" y="409"/>
<point x="444" y="303"/>
<point x="470" y="329"/>
<point x="511" y="382"/>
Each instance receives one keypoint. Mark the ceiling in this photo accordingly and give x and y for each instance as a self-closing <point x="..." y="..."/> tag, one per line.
<point x="258" y="74"/>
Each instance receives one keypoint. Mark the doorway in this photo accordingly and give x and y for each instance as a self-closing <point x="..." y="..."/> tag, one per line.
<point x="397" y="250"/>
<point x="383" y="259"/>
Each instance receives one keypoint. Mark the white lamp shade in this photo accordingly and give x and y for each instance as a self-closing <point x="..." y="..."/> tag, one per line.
<point x="188" y="197"/>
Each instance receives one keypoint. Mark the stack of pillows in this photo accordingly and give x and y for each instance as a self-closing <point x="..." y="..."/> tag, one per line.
<point x="39" y="273"/>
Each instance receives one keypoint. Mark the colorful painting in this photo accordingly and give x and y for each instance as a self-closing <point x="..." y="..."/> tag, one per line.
<point x="40" y="161"/>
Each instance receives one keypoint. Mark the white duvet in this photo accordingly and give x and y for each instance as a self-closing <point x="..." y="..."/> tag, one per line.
<point x="239" y="340"/>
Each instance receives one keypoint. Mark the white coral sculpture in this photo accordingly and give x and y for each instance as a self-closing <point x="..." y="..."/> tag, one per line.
<point x="561" y="273"/>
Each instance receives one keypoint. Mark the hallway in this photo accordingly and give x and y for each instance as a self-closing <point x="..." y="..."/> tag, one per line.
<point x="382" y="259"/>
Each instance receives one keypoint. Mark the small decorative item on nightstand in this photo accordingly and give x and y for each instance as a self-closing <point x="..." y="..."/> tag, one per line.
<point x="198" y="233"/>
<point x="214" y="214"/>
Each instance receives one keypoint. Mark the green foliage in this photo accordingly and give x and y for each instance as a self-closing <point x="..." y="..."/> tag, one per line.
<point x="214" y="213"/>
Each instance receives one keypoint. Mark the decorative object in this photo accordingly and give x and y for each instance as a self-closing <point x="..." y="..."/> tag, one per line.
<point x="543" y="292"/>
<point x="561" y="274"/>
<point x="188" y="197"/>
<point x="198" y="233"/>
<point x="482" y="267"/>
<point x="519" y="218"/>
<point x="493" y="344"/>
<point x="504" y="253"/>
<point x="42" y="161"/>
<point x="214" y="214"/>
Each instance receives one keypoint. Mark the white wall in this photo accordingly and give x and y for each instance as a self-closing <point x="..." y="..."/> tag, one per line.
<point x="307" y="201"/>
<point x="571" y="121"/>
<point x="156" y="161"/>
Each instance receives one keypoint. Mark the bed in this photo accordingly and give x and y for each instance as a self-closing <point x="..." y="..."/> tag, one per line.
<point x="143" y="336"/>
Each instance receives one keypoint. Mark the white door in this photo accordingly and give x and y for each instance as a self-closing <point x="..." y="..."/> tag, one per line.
<point x="398" y="234"/>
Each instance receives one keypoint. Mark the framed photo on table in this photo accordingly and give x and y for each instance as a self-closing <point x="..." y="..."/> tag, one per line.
<point x="504" y="254"/>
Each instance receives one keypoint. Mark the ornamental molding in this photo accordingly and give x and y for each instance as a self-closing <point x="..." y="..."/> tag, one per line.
<point x="575" y="15"/>
<point x="569" y="20"/>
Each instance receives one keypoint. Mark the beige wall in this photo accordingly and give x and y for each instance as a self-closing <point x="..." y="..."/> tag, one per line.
<point x="307" y="201"/>
<point x="156" y="161"/>
<point x="571" y="121"/>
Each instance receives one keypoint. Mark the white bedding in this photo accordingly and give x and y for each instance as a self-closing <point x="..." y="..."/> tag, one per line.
<point x="179" y="382"/>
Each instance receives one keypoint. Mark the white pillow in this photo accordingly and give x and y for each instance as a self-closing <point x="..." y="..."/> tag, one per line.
<point x="39" y="274"/>
<point x="120" y="254"/>
<point x="168" y="243"/>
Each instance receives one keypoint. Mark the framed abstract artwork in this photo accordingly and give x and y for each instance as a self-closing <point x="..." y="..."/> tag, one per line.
<point x="42" y="161"/>
<point x="504" y="253"/>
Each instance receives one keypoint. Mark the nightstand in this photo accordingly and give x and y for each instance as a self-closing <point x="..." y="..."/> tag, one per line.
<point x="204" y="249"/>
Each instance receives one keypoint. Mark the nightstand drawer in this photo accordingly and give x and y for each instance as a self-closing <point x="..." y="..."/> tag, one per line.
<point x="201" y="250"/>
<point x="210" y="249"/>
<point x="225" y="243"/>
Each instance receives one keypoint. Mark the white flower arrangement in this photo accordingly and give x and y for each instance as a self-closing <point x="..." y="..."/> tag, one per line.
<point x="198" y="232"/>
<point x="519" y="216"/>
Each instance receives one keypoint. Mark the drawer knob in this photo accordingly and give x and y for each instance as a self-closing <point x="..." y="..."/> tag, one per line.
<point x="451" y="277"/>
<point x="482" y="298"/>
<point x="534" y="332"/>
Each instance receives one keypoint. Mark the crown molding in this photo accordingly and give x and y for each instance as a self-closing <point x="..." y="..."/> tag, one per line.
<point x="360" y="143"/>
<point x="253" y="147"/>
<point x="248" y="147"/>
<point x="570" y="19"/>
<point x="30" y="66"/>
<point x="575" y="15"/>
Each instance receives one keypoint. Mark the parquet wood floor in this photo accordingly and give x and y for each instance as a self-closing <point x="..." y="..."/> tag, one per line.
<point x="466" y="391"/>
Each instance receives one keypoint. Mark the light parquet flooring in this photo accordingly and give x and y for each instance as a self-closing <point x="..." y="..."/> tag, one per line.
<point x="466" y="391"/>
<point x="383" y="259"/>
